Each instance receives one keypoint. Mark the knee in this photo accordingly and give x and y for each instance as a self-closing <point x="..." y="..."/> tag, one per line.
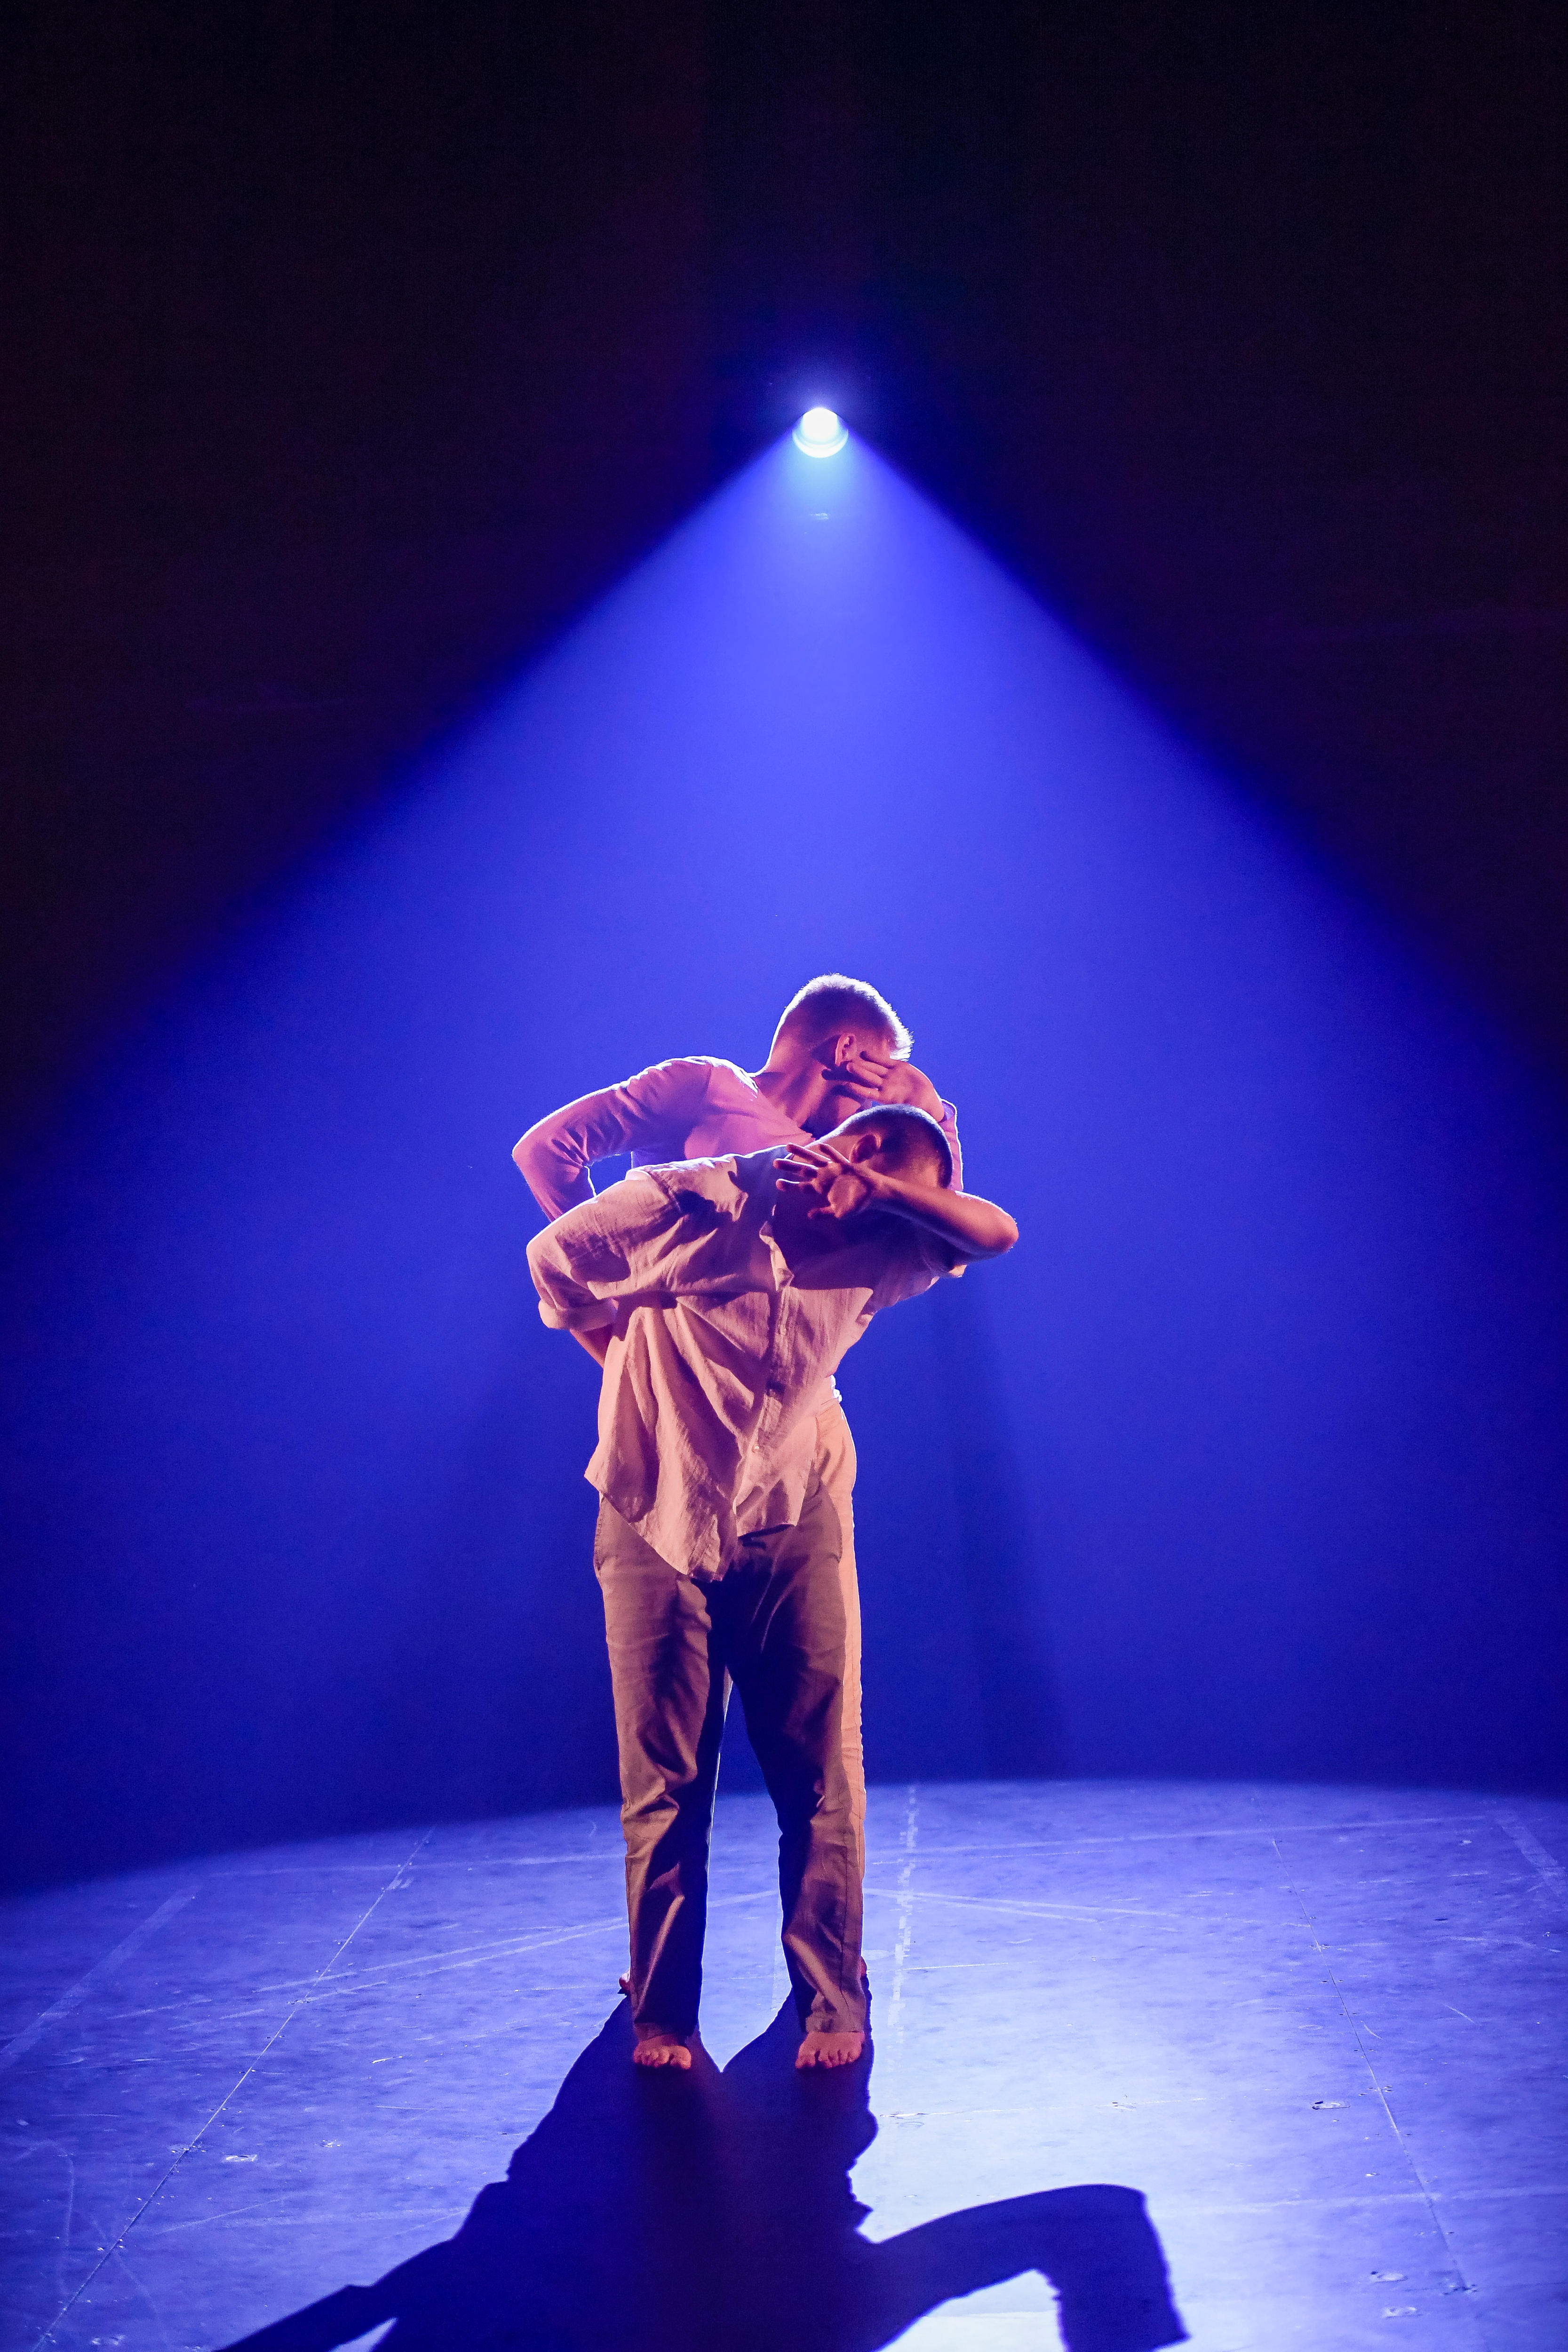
<point x="655" y="1797"/>
<point x="811" y="1790"/>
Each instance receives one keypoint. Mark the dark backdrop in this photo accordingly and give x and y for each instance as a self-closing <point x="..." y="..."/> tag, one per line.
<point x="353" y="348"/>
<point x="362" y="348"/>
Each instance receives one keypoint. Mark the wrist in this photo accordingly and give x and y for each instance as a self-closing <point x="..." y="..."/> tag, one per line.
<point x="895" y="1192"/>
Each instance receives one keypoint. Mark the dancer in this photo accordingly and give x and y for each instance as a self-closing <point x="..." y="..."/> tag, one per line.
<point x="727" y="1291"/>
<point x="839" y="1045"/>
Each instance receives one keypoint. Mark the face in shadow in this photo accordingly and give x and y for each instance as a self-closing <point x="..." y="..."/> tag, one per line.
<point x="711" y="2211"/>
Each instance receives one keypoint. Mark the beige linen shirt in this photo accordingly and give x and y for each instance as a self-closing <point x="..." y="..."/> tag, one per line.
<point x="721" y="1356"/>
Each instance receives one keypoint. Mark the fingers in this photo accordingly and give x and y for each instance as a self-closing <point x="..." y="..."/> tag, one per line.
<point x="807" y="1168"/>
<point x="809" y="1157"/>
<point x="864" y="1076"/>
<point x="911" y="1086"/>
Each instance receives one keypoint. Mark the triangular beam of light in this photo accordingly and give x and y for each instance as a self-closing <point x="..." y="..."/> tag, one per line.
<point x="1269" y="1385"/>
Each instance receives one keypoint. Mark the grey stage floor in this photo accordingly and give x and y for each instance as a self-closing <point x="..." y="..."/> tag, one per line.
<point x="1319" y="2030"/>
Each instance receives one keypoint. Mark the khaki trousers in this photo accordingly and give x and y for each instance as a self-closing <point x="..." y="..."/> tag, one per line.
<point x="836" y="1467"/>
<point x="773" y="1623"/>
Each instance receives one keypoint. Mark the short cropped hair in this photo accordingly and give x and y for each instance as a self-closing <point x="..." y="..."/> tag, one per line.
<point x="911" y="1138"/>
<point x="832" y="1002"/>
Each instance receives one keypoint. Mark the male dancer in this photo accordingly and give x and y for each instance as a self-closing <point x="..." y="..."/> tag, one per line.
<point x="838" y="1045"/>
<point x="728" y="1290"/>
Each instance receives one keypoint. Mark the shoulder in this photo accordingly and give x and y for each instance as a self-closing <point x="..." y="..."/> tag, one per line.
<point x="719" y="1080"/>
<point x="684" y="1181"/>
<point x="680" y="1073"/>
<point x="688" y="1078"/>
<point x="753" y="1171"/>
<point x="639" y="1205"/>
<point x="697" y="1196"/>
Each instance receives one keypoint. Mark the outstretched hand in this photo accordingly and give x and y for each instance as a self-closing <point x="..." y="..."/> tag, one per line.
<point x="844" y="1188"/>
<point x="967" y="1226"/>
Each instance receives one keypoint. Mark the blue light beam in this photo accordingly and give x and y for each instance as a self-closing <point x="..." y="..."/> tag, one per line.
<point x="1272" y="1396"/>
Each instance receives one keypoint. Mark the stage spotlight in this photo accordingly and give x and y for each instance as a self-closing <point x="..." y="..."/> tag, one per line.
<point x="821" y="434"/>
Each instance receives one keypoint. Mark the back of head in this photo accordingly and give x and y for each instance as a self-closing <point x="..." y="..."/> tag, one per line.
<point x="832" y="1003"/>
<point x="909" y="1141"/>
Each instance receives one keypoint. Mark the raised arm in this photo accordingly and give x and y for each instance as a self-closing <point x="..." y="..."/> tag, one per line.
<point x="970" y="1228"/>
<point x="649" y="1113"/>
<point x="901" y="1082"/>
<point x="558" y="1150"/>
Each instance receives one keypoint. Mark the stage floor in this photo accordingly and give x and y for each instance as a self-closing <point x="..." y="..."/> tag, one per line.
<point x="1319" y="2031"/>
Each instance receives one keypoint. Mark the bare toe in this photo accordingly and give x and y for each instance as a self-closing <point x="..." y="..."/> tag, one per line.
<point x="830" y="2049"/>
<point x="660" y="2050"/>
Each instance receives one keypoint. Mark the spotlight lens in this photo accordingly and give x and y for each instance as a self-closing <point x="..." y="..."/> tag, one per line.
<point x="820" y="433"/>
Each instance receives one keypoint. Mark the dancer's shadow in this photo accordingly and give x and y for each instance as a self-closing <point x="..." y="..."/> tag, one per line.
<point x="712" y="2212"/>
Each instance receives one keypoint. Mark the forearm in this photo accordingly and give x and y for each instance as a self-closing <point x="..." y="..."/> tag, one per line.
<point x="971" y="1227"/>
<point x="596" y="1343"/>
<point x="557" y="1151"/>
<point x="557" y="1181"/>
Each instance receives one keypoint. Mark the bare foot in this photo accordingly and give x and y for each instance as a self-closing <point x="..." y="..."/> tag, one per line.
<point x="830" y="2049"/>
<point x="657" y="2048"/>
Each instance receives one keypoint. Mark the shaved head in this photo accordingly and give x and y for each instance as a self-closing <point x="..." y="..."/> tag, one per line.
<point x="909" y="1141"/>
<point x="832" y="1005"/>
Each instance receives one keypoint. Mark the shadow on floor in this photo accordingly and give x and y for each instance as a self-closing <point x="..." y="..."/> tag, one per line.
<point x="712" y="2212"/>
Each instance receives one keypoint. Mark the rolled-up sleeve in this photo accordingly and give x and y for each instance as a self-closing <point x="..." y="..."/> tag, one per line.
<point x="598" y="1253"/>
<point x="566" y="1302"/>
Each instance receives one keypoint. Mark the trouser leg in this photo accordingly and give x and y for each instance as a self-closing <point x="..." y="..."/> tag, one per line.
<point x="780" y="1614"/>
<point x="669" y="1694"/>
<point x="836" y="1467"/>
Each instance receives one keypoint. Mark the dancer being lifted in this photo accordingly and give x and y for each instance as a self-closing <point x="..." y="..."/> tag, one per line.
<point x="725" y="1292"/>
<point x="838" y="1046"/>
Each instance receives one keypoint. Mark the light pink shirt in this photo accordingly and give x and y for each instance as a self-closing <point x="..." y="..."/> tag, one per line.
<point x="719" y="1354"/>
<point x="692" y="1108"/>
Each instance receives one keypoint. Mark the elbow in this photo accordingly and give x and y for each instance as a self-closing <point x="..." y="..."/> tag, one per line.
<point x="533" y="1167"/>
<point x="990" y="1237"/>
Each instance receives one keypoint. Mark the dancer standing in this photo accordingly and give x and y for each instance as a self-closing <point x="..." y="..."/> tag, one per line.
<point x="727" y="1291"/>
<point x="838" y="1046"/>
